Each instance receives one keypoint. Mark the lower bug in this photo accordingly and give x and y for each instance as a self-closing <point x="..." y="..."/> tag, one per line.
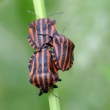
<point x="43" y="72"/>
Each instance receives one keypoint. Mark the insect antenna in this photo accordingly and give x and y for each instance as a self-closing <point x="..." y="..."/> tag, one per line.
<point x="32" y="13"/>
<point x="47" y="16"/>
<point x="63" y="29"/>
<point x="55" y="14"/>
<point x="55" y="95"/>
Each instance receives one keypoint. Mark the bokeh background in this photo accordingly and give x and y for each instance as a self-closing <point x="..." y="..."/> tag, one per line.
<point x="86" y="86"/>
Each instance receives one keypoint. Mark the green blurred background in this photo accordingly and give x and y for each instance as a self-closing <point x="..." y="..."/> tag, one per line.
<point x="86" y="86"/>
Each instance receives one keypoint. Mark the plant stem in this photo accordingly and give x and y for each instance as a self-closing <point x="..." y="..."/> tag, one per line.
<point x="40" y="11"/>
<point x="39" y="7"/>
<point x="54" y="101"/>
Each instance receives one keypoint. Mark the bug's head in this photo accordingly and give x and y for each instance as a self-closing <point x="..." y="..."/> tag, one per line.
<point x="44" y="89"/>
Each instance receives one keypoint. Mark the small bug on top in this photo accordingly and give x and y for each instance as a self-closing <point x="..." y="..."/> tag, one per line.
<point x="40" y="31"/>
<point x="43" y="72"/>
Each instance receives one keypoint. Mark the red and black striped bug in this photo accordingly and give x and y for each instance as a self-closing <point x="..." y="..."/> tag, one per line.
<point x="40" y="31"/>
<point x="62" y="52"/>
<point x="43" y="72"/>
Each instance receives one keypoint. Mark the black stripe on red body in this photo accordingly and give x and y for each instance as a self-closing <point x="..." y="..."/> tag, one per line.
<point x="40" y="32"/>
<point x="63" y="52"/>
<point x="43" y="72"/>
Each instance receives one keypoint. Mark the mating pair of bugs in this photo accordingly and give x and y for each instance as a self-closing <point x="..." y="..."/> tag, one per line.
<point x="53" y="52"/>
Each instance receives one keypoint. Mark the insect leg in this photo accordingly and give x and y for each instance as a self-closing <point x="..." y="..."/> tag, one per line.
<point x="55" y="86"/>
<point x="59" y="79"/>
<point x="40" y="93"/>
<point x="30" y="62"/>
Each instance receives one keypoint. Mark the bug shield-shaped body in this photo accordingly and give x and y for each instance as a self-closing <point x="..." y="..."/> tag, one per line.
<point x="40" y="31"/>
<point x="43" y="72"/>
<point x="62" y="52"/>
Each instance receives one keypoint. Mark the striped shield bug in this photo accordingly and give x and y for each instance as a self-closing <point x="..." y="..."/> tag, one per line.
<point x="62" y="52"/>
<point x="43" y="72"/>
<point x="40" y="31"/>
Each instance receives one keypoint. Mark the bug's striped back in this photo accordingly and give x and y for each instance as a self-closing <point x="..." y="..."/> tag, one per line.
<point x="40" y="32"/>
<point x="43" y="72"/>
<point x="63" y="52"/>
